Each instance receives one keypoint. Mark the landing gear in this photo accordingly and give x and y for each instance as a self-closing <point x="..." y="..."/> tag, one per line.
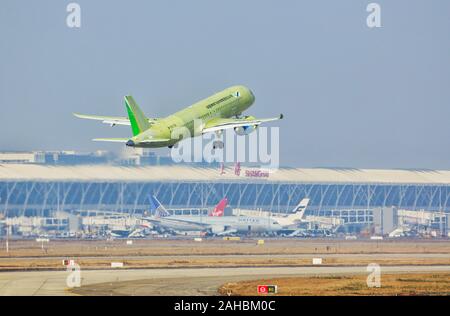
<point x="218" y="144"/>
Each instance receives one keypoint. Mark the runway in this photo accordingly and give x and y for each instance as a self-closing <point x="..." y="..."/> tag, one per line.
<point x="182" y="281"/>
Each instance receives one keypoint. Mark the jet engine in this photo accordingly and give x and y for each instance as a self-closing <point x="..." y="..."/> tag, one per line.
<point x="247" y="129"/>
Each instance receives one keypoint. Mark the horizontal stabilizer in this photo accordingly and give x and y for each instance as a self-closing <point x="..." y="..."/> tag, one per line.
<point x="111" y="120"/>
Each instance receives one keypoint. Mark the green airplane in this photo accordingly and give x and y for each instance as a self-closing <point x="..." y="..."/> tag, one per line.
<point x="216" y="113"/>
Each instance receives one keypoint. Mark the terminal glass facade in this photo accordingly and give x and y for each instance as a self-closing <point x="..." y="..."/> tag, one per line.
<point x="42" y="197"/>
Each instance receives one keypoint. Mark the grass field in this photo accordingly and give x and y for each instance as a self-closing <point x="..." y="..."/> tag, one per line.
<point x="12" y="264"/>
<point x="144" y="256"/>
<point x="103" y="248"/>
<point x="391" y="284"/>
<point x="28" y="254"/>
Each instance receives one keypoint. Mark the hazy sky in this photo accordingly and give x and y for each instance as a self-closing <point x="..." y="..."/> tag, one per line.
<point x="352" y="96"/>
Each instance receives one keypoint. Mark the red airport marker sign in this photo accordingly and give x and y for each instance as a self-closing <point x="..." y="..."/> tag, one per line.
<point x="267" y="289"/>
<point x="67" y="262"/>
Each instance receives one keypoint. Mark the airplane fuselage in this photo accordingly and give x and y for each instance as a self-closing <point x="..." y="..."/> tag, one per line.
<point x="241" y="224"/>
<point x="225" y="104"/>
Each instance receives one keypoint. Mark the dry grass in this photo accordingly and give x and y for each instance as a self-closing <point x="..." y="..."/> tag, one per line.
<point x="244" y="261"/>
<point x="391" y="285"/>
<point x="28" y="255"/>
<point x="102" y="248"/>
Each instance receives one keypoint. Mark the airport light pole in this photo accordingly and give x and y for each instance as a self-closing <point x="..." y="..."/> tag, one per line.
<point x="441" y="213"/>
<point x="7" y="238"/>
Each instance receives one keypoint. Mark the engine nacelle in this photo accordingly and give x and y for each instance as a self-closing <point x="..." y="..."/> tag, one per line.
<point x="245" y="130"/>
<point x="217" y="229"/>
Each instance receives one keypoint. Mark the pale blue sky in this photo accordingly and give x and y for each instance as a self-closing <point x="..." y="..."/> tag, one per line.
<point x="352" y="96"/>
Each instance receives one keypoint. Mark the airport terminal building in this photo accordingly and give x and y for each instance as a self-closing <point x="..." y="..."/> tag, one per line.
<point x="39" y="190"/>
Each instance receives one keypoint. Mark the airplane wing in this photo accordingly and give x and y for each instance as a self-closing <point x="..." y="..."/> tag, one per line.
<point x="167" y="220"/>
<point x="154" y="141"/>
<point x="114" y="140"/>
<point x="124" y="140"/>
<point x="227" y="232"/>
<point x="218" y="124"/>
<point x="194" y="221"/>
<point x="111" y="120"/>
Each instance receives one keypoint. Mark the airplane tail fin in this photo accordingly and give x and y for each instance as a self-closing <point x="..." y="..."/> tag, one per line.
<point x="299" y="211"/>
<point x="301" y="208"/>
<point x="139" y="122"/>
<point x="156" y="208"/>
<point x="219" y="209"/>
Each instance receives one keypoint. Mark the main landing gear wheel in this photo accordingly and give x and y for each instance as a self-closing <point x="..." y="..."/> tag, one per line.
<point x="218" y="144"/>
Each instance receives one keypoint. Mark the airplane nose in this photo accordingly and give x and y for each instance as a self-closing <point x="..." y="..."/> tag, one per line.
<point x="252" y="96"/>
<point x="130" y="143"/>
